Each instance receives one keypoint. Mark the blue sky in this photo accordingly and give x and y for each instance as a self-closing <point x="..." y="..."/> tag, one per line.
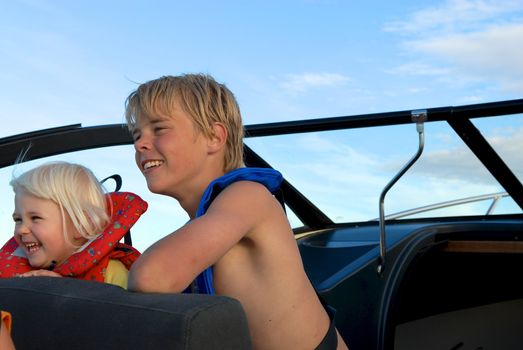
<point x="76" y="61"/>
<point x="65" y="62"/>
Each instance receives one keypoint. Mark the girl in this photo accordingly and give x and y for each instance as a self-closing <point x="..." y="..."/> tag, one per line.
<point x="65" y="225"/>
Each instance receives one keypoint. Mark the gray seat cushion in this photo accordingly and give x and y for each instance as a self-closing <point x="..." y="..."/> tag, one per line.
<point x="64" y="313"/>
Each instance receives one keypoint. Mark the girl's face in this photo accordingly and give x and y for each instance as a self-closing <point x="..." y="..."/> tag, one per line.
<point x="39" y="230"/>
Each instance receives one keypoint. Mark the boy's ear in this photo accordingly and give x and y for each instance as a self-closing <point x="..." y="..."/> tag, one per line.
<point x="218" y="139"/>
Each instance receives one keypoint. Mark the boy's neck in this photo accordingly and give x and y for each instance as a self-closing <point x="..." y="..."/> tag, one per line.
<point x="190" y="206"/>
<point x="191" y="200"/>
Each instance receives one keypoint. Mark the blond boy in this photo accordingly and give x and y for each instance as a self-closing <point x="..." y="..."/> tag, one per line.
<point x="187" y="133"/>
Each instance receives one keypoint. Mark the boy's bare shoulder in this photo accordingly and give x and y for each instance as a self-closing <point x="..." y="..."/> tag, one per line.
<point x="245" y="192"/>
<point x="250" y="186"/>
<point x="250" y="205"/>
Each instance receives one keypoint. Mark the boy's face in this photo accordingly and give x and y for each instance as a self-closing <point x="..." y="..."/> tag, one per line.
<point x="39" y="231"/>
<point x="170" y="152"/>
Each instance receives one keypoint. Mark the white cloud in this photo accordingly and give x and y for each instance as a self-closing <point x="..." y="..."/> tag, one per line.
<point x="471" y="99"/>
<point x="454" y="15"/>
<point x="491" y="54"/>
<point x="306" y="81"/>
<point x="419" y="68"/>
<point x="459" y="163"/>
<point x="466" y="42"/>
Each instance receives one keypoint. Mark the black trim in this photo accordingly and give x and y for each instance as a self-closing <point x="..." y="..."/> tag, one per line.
<point x="118" y="185"/>
<point x="74" y="138"/>
<point x="304" y="209"/>
<point x="383" y="119"/>
<point x="488" y="156"/>
<point x="117" y="179"/>
<point x="32" y="134"/>
<point x="71" y="138"/>
<point x="54" y="141"/>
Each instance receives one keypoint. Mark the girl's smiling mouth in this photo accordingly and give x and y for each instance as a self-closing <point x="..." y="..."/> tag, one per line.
<point x="32" y="247"/>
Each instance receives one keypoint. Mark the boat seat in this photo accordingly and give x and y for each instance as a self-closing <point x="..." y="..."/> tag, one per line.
<point x="66" y="313"/>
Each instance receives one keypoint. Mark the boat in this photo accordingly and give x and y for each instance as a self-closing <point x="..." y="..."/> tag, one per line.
<point x="433" y="276"/>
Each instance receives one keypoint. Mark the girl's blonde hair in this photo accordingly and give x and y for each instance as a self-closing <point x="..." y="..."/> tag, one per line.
<point x="75" y="190"/>
<point x="201" y="97"/>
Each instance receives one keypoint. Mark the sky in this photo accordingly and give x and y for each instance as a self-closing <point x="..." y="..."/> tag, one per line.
<point x="76" y="61"/>
<point x="66" y="62"/>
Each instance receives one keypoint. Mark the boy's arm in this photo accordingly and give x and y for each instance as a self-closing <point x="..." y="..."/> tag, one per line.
<point x="172" y="263"/>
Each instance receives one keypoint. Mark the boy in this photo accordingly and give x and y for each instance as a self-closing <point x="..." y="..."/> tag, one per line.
<point x="188" y="137"/>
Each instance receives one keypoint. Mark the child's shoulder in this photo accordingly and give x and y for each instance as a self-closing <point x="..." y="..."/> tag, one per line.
<point x="249" y="208"/>
<point x="270" y="178"/>
<point x="244" y="195"/>
<point x="242" y="185"/>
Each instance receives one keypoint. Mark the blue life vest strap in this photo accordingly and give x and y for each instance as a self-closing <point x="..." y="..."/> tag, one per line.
<point x="268" y="177"/>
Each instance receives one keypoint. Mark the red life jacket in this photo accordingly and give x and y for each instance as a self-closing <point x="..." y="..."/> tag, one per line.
<point x="125" y="209"/>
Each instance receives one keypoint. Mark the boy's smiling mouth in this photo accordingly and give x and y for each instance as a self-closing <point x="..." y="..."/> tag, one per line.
<point x="151" y="164"/>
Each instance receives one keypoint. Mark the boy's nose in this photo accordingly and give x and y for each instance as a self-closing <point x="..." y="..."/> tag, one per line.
<point x="142" y="144"/>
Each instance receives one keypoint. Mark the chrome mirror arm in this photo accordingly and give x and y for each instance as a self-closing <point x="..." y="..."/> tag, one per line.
<point x="419" y="117"/>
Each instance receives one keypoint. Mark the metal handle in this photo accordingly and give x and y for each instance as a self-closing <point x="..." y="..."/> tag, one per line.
<point x="419" y="117"/>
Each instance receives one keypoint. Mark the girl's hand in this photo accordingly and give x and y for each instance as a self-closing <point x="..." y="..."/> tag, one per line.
<point x="42" y="272"/>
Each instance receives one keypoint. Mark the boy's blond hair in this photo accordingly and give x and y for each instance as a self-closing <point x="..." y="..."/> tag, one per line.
<point x="75" y="190"/>
<point x="201" y="97"/>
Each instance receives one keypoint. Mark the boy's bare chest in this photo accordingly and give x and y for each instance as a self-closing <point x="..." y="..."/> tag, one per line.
<point x="235" y="269"/>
